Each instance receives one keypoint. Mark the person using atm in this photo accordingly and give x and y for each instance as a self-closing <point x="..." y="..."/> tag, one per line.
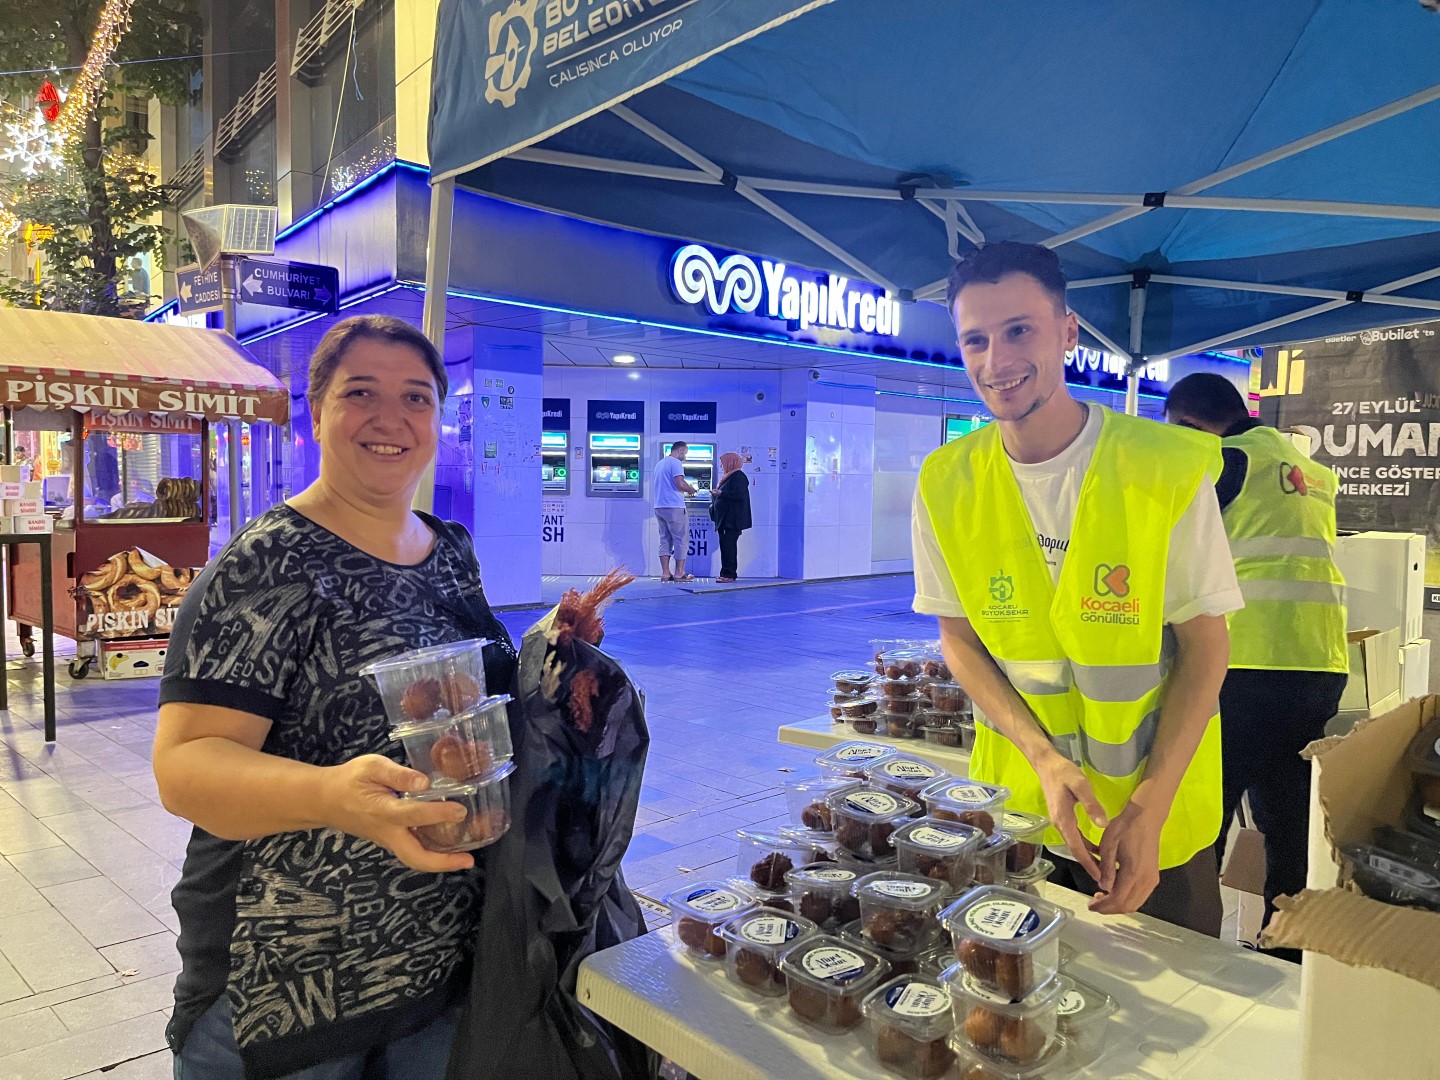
<point x="671" y="487"/>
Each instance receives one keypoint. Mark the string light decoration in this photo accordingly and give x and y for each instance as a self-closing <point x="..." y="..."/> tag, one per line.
<point x="90" y="82"/>
<point x="32" y="143"/>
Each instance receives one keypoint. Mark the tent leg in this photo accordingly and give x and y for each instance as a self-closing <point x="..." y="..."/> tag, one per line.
<point x="1139" y="286"/>
<point x="437" y="286"/>
<point x="1132" y="394"/>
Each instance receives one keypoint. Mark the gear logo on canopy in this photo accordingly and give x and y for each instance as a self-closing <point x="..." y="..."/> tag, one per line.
<point x="513" y="40"/>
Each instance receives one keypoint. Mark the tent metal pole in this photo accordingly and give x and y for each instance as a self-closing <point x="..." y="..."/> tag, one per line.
<point x="1110" y="346"/>
<point x="966" y="223"/>
<point x="1139" y="292"/>
<point x="610" y="165"/>
<point x="745" y="191"/>
<point x="1369" y="296"/>
<point x="437" y="286"/>
<point x="1240" y="168"/>
<point x="1132" y="394"/>
<point x="1095" y="282"/>
<point x="1294" y="290"/>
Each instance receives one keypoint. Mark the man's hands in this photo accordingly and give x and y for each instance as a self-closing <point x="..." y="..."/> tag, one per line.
<point x="359" y="798"/>
<point x="1066" y="788"/>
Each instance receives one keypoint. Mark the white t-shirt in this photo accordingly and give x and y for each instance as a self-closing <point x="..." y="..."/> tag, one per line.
<point x="1199" y="571"/>
<point x="667" y="495"/>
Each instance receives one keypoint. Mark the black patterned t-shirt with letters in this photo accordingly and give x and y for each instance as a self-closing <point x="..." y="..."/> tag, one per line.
<point x="326" y="943"/>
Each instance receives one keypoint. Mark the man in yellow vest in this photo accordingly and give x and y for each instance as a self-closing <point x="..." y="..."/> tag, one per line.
<point x="1078" y="565"/>
<point x="1288" y="664"/>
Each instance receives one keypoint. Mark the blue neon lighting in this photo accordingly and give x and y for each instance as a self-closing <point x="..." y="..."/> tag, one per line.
<point x="349" y="193"/>
<point x="358" y="298"/>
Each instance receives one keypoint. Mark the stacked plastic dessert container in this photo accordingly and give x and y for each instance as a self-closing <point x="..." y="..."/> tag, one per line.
<point x="455" y="734"/>
<point x="906" y="691"/>
<point x="900" y="905"/>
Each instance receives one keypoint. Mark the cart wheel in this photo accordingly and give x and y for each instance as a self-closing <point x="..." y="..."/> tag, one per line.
<point x="80" y="667"/>
<point x="27" y="646"/>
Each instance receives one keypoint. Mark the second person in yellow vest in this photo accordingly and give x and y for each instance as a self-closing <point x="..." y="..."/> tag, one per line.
<point x="1079" y="568"/>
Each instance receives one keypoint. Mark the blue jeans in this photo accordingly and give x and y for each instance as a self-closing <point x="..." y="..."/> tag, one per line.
<point x="210" y="1053"/>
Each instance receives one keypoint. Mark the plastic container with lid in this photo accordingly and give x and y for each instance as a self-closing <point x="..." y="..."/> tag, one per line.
<point x="855" y="709"/>
<point x="1029" y="833"/>
<point x="1029" y="881"/>
<point x="973" y="1065"/>
<point x="901" y="961"/>
<point x="948" y="697"/>
<point x="1007" y="940"/>
<point x="970" y="801"/>
<point x="754" y="943"/>
<point x="822" y="893"/>
<point x="991" y="858"/>
<point x="1080" y="1016"/>
<point x="805" y="796"/>
<point x="905" y="775"/>
<point x="813" y="846"/>
<point x="850" y="758"/>
<point x="902" y="724"/>
<point x="897" y="910"/>
<point x="826" y="980"/>
<point x="1068" y="953"/>
<point x="459" y="747"/>
<point x="866" y="818"/>
<point x="763" y="858"/>
<point x="898" y="689"/>
<point x="1012" y="1032"/>
<point x="852" y="680"/>
<point x="905" y="663"/>
<point x="697" y="912"/>
<point x="910" y="1025"/>
<point x="487" y="811"/>
<point x="424" y="683"/>
<point x="941" y="850"/>
<point x="1393" y="879"/>
<point x="880" y="646"/>
<point x="935" y="666"/>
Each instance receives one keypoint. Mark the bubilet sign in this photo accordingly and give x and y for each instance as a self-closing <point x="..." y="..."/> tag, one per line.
<point x="776" y="291"/>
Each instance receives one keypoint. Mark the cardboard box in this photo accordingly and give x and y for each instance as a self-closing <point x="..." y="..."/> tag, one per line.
<point x="1415" y="669"/>
<point x="1374" y="668"/>
<point x="30" y="523"/>
<point x="18" y="507"/>
<point x="11" y="474"/>
<point x="1370" y="987"/>
<point x="1245" y="873"/>
<point x="1384" y="580"/>
<point x="133" y="659"/>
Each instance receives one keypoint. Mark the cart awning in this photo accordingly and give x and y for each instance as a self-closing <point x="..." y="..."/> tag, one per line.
<point x="50" y="360"/>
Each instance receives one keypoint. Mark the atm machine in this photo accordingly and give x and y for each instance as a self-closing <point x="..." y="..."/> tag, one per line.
<point x="699" y="470"/>
<point x="616" y="471"/>
<point x="555" y="462"/>
<point x="956" y="426"/>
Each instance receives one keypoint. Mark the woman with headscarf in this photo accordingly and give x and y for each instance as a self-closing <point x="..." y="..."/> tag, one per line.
<point x="730" y="510"/>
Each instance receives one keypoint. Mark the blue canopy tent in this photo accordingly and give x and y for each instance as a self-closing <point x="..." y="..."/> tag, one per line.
<point x="1213" y="176"/>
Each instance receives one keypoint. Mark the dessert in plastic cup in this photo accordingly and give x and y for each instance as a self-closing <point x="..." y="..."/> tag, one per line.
<point x="1029" y="833"/>
<point x="424" y="683"/>
<point x="969" y="801"/>
<point x="905" y="774"/>
<point x="850" y="758"/>
<point x="910" y="1025"/>
<point x="1007" y="941"/>
<point x="823" y="894"/>
<point x="459" y="746"/>
<point x="898" y="910"/>
<point x="852" y="680"/>
<point x="866" y="818"/>
<point x="754" y="943"/>
<point x="941" y="850"/>
<point x="805" y="797"/>
<point x="764" y="858"/>
<point x="1081" y="1017"/>
<point x="487" y="811"/>
<point x="828" y="978"/>
<point x="1009" y="1032"/>
<point x="699" y="910"/>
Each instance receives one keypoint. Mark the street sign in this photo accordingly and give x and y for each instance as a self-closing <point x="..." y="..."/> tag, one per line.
<point x="199" y="289"/>
<point x="288" y="285"/>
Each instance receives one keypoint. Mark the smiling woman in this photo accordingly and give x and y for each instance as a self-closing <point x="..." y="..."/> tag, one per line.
<point x="315" y="930"/>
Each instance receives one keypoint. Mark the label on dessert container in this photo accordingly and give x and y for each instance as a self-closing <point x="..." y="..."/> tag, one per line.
<point x="829" y="962"/>
<point x="873" y="802"/>
<point x="917" y="999"/>
<point x="975" y="988"/>
<point x="1072" y="1003"/>
<point x="1002" y="919"/>
<point x="828" y="875"/>
<point x="1019" y="823"/>
<point x="968" y="793"/>
<point x="860" y="753"/>
<point x="769" y="930"/>
<point x="911" y="770"/>
<point x="904" y="890"/>
<point x="939" y="838"/>
<point x="714" y="901"/>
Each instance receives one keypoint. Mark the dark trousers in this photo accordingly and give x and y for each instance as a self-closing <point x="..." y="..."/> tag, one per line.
<point x="729" y="551"/>
<point x="1266" y="719"/>
<point x="1188" y="895"/>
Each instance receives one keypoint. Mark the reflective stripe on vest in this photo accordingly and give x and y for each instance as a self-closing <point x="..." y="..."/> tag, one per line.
<point x="1282" y="536"/>
<point x="1087" y="654"/>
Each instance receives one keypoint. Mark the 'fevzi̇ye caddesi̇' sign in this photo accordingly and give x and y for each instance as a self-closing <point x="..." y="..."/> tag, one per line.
<point x="1370" y="403"/>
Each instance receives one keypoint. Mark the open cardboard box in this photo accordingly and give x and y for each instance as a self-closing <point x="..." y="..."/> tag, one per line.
<point x="1370" y="988"/>
<point x="1374" y="668"/>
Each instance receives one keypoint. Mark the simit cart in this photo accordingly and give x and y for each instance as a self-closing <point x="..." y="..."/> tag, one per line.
<point x="114" y="423"/>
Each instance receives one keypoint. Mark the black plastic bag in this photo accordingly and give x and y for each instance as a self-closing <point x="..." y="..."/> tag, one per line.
<point x="554" y="891"/>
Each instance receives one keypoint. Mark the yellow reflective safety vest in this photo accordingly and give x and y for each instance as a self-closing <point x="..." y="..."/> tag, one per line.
<point x="1089" y="654"/>
<point x="1282" y="536"/>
